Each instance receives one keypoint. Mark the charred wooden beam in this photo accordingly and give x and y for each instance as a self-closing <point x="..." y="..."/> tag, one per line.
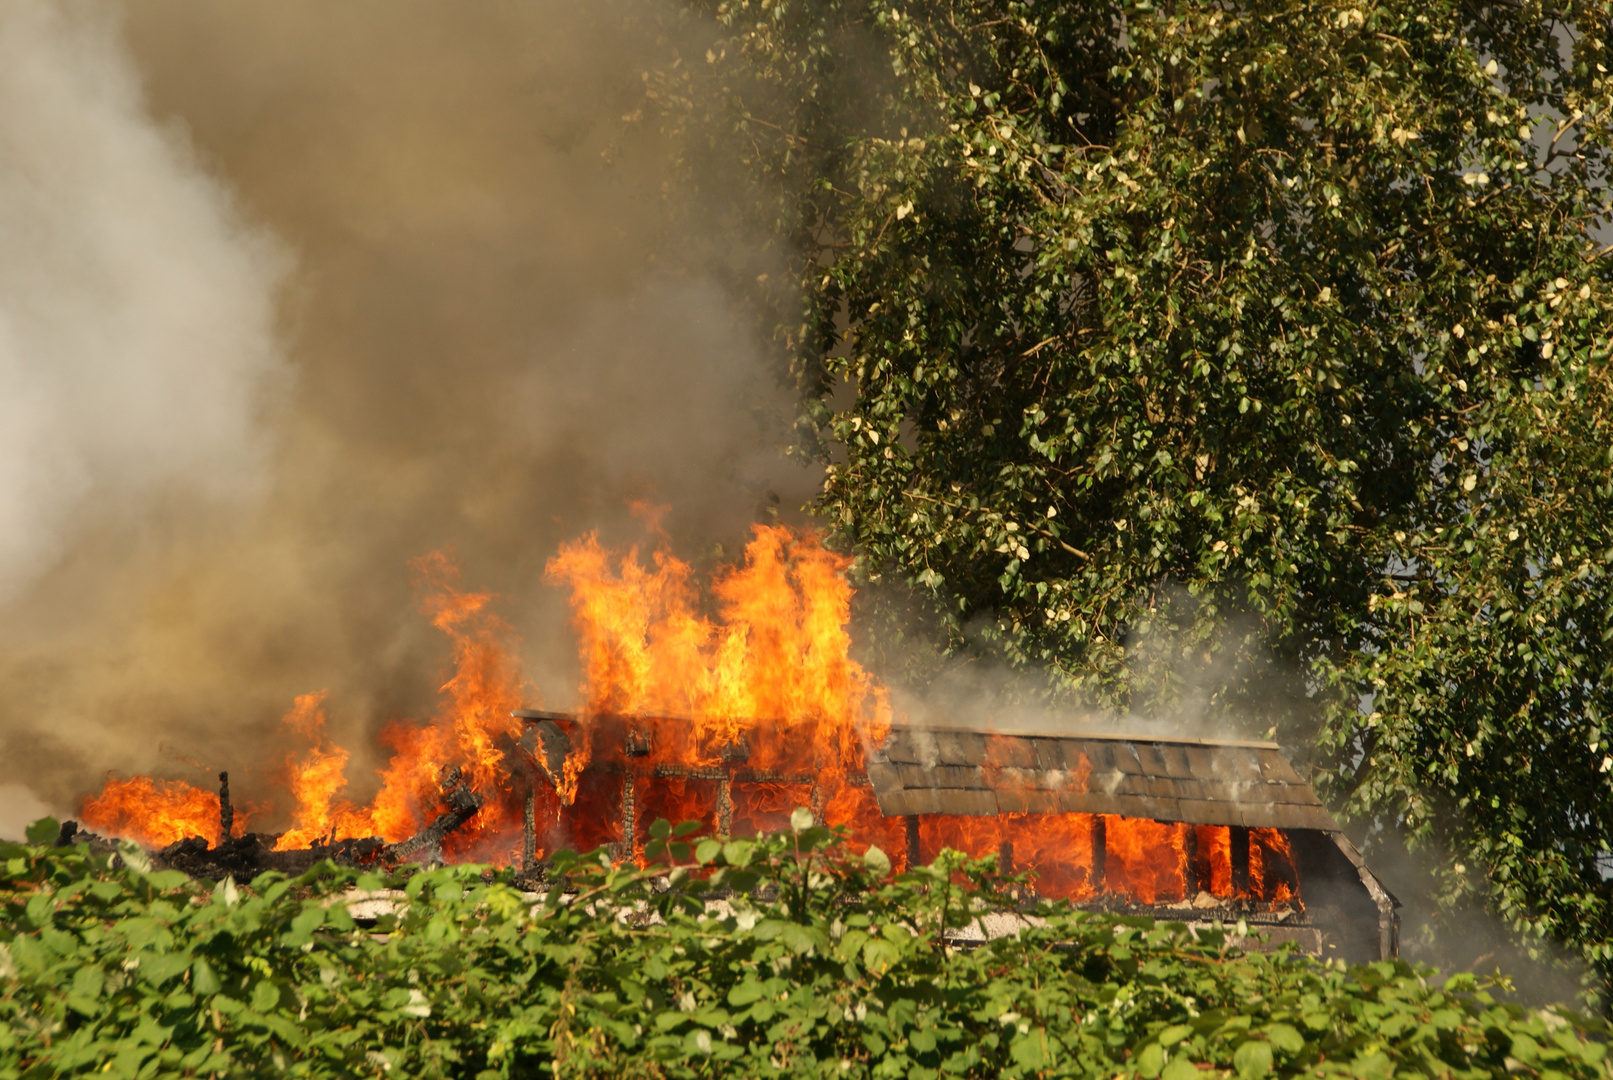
<point x="725" y="806"/>
<point x="541" y="751"/>
<point x="915" y="846"/>
<point x="1240" y="858"/>
<point x="462" y="805"/>
<point x="1100" y="853"/>
<point x="529" y="831"/>
<point x="245" y="857"/>
<point x="1005" y="857"/>
<point x="675" y="771"/>
<point x="1197" y="880"/>
<point x="629" y="814"/>
<point x="226" y="810"/>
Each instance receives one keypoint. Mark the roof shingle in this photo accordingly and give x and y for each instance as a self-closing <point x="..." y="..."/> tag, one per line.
<point x="1201" y="781"/>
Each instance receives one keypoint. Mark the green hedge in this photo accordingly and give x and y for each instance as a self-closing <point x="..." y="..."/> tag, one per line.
<point x="820" y="964"/>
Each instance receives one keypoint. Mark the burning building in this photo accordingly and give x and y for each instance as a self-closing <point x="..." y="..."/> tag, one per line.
<point x="1194" y="830"/>
<point x="733" y="709"/>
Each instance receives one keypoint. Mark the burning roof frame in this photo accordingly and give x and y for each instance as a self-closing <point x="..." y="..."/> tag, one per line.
<point x="938" y="770"/>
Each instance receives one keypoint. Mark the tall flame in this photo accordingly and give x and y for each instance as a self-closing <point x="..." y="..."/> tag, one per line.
<point x="316" y="781"/>
<point x="772" y="669"/>
<point x="474" y="714"/>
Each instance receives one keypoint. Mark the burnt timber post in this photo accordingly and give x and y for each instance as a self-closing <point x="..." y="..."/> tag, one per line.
<point x="1100" y="853"/>
<point x="529" y="829"/>
<point x="462" y="803"/>
<point x="226" y="809"/>
<point x="629" y="810"/>
<point x="915" y="849"/>
<point x="725" y="804"/>
<point x="1190" y="855"/>
<point x="1240" y="858"/>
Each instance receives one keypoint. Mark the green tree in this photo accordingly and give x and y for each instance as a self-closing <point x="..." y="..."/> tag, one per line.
<point x="1267" y="333"/>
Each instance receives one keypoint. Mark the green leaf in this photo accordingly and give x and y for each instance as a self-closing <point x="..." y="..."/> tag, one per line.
<point x="265" y="996"/>
<point x="202" y="979"/>
<point x="1180" y="1067"/>
<point x="1284" y="1037"/>
<point x="88" y="982"/>
<point x="1029" y="1050"/>
<point x="158" y="969"/>
<point x="799" y="939"/>
<point x="44" y="831"/>
<point x="1372" y="1065"/>
<point x="879" y="956"/>
<point x="1252" y="1059"/>
<point x="743" y="993"/>
<point x="307" y="920"/>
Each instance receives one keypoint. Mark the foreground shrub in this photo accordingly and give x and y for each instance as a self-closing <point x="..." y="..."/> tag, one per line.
<point x="784" y="956"/>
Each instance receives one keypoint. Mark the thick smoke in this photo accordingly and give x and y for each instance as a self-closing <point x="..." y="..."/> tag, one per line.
<point x="489" y="350"/>
<point x="136" y="311"/>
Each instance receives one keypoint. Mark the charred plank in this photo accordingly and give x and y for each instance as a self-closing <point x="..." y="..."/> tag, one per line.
<point x="425" y="846"/>
<point x="226" y="809"/>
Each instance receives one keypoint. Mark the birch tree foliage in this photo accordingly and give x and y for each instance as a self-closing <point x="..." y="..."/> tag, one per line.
<point x="1270" y="336"/>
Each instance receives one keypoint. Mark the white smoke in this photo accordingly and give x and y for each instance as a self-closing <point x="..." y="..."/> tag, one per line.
<point x="136" y="309"/>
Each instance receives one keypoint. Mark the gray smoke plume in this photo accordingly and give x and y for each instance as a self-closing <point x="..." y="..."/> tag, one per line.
<point x="136" y="310"/>
<point x="221" y="452"/>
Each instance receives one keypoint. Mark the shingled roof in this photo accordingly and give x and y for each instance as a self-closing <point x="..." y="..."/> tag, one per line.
<point x="1201" y="781"/>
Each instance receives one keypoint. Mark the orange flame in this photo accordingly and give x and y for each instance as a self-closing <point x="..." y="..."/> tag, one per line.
<point x="477" y="699"/>
<point x="773" y="670"/>
<point x="1143" y="861"/>
<point x="154" y="813"/>
<point x="316" y="781"/>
